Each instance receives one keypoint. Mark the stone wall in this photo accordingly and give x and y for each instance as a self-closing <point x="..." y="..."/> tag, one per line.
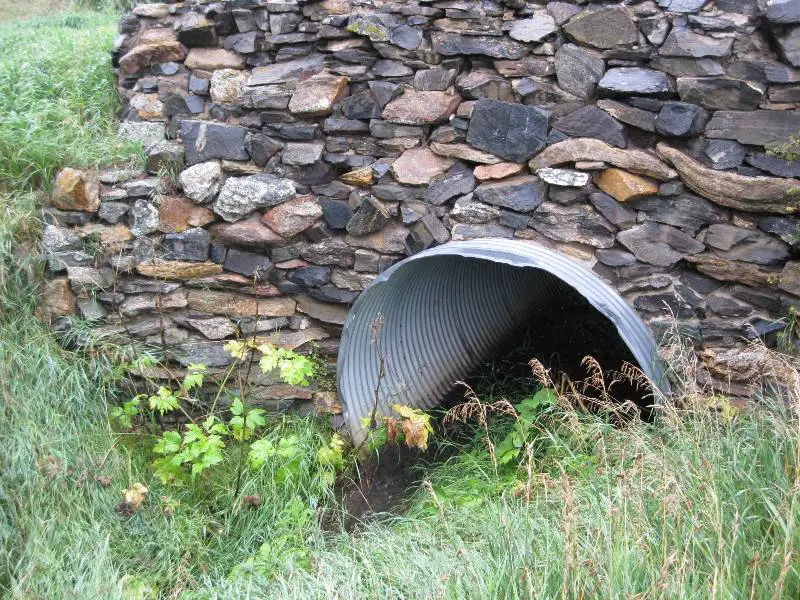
<point x="314" y="144"/>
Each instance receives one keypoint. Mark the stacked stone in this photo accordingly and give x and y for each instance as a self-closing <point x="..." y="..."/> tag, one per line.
<point x="296" y="149"/>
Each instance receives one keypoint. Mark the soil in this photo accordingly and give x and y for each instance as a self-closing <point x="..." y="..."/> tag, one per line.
<point x="380" y="485"/>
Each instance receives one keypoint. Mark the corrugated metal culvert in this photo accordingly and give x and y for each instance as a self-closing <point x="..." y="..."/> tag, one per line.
<point x="444" y="311"/>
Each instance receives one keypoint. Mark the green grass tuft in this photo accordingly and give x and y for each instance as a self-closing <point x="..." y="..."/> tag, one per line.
<point x="58" y="102"/>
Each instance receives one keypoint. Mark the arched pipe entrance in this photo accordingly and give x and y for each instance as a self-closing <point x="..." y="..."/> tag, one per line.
<point x="445" y="310"/>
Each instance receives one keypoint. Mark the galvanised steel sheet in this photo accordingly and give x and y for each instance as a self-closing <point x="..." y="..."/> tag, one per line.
<point x="445" y="310"/>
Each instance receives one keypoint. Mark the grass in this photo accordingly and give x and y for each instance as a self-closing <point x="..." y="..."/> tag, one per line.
<point x="57" y="98"/>
<point x="705" y="504"/>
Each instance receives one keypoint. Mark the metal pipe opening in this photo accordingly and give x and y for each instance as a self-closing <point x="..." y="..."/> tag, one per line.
<point x="444" y="311"/>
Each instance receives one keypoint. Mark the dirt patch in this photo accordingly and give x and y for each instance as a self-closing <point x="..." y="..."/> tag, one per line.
<point x="380" y="484"/>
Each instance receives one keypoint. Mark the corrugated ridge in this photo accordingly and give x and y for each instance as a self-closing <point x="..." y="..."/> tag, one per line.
<point x="446" y="309"/>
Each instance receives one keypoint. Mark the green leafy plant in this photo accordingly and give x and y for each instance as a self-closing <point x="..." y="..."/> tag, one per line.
<point x="122" y="416"/>
<point x="511" y="447"/>
<point x="207" y="441"/>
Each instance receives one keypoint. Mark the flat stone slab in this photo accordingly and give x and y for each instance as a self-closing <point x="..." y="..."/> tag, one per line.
<point x="514" y="132"/>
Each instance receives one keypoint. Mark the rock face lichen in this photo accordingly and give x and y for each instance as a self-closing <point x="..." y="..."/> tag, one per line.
<point x="315" y="144"/>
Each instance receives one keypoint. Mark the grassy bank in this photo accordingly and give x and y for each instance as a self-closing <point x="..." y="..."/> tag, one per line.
<point x="704" y="505"/>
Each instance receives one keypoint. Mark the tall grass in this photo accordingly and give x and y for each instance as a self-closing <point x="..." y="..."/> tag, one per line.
<point x="702" y="504"/>
<point x="58" y="103"/>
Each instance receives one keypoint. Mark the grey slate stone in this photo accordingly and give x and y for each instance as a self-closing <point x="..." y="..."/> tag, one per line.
<point x="533" y="29"/>
<point x="310" y="276"/>
<point x="458" y="181"/>
<point x="462" y="231"/>
<point x="607" y="27"/>
<point x="657" y="244"/>
<point x="593" y="122"/>
<point x="143" y="218"/>
<point x="626" y="81"/>
<point x="578" y="70"/>
<point x="522" y="194"/>
<point x="406" y="37"/>
<point x="513" y="132"/>
<point x="682" y="42"/>
<point x="452" y="44"/>
<point x="720" y="93"/>
<point x="192" y="244"/>
<point x="242" y="195"/>
<point x="682" y="6"/>
<point x="687" y="211"/>
<point x="615" y="212"/>
<point x="363" y="105"/>
<point x="112" y="211"/>
<point x="204" y="141"/>
<point x="655" y="29"/>
<point x="747" y="245"/>
<point x="370" y="217"/>
<point x="245" y="263"/>
<point x="789" y="45"/>
<point x="774" y="165"/>
<point x="335" y="212"/>
<point x="573" y="223"/>
<point x="688" y="67"/>
<point x="768" y="128"/>
<point x="681" y="119"/>
<point x="725" y="154"/>
<point x="782" y="12"/>
<point x="786" y="228"/>
<point x="614" y="257"/>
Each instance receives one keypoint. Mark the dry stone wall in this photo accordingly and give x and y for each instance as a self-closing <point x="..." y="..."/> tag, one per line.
<point x="296" y="149"/>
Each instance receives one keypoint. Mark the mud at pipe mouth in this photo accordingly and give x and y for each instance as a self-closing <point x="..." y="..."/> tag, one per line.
<point x="431" y="319"/>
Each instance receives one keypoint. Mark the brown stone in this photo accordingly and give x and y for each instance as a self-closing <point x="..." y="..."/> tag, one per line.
<point x="735" y="271"/>
<point x="419" y="166"/>
<point x="590" y="149"/>
<point x="76" y="190"/>
<point x="148" y="107"/>
<point x="211" y="59"/>
<point x="322" y="311"/>
<point x="235" y="282"/>
<point x="294" y="339"/>
<point x="140" y="303"/>
<point x="55" y="299"/>
<point x="110" y="236"/>
<point x="361" y="177"/>
<point x="497" y="171"/>
<point x="464" y="152"/>
<point x="327" y="402"/>
<point x="624" y="186"/>
<point x="389" y="240"/>
<point x="176" y="269"/>
<point x="790" y="278"/>
<point x="421" y="108"/>
<point x="250" y="233"/>
<point x="152" y="11"/>
<point x="316" y="96"/>
<point x="159" y="35"/>
<point x="752" y="194"/>
<point x="737" y="371"/>
<point x="351" y="280"/>
<point x="176" y="214"/>
<point x="293" y="216"/>
<point x="238" y="305"/>
<point x="146" y="54"/>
